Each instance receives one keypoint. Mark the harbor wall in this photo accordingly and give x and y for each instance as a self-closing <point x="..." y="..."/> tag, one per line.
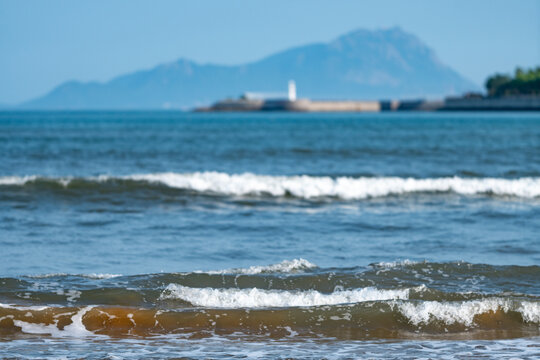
<point x="339" y="106"/>
<point x="449" y="104"/>
<point x="304" y="105"/>
<point x="521" y="103"/>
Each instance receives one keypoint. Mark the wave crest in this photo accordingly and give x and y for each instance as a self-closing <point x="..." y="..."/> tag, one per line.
<point x="308" y="187"/>
<point x="286" y="266"/>
<point x="256" y="298"/>
<point x="465" y="312"/>
<point x="393" y="319"/>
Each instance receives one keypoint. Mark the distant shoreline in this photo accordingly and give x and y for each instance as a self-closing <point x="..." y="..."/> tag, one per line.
<point x="449" y="104"/>
<point x="518" y="103"/>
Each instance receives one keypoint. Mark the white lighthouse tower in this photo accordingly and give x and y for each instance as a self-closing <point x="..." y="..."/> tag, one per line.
<point x="292" y="90"/>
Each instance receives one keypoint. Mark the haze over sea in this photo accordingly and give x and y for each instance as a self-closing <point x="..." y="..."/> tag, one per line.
<point x="167" y="234"/>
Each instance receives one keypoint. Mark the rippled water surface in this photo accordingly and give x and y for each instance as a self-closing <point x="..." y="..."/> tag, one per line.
<point x="132" y="234"/>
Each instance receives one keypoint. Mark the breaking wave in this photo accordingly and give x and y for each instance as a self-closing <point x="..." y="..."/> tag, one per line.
<point x="89" y="276"/>
<point x="302" y="186"/>
<point x="386" y="300"/>
<point x="286" y="266"/>
<point x="255" y="298"/>
<point x="489" y="318"/>
<point x="464" y="313"/>
<point x="394" y="264"/>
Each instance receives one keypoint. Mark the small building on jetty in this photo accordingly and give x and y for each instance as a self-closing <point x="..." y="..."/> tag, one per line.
<point x="289" y="102"/>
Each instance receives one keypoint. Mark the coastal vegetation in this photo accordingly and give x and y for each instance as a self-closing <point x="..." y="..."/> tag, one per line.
<point x="524" y="82"/>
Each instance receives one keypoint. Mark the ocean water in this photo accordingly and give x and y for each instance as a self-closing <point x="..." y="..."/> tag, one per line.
<point x="269" y="235"/>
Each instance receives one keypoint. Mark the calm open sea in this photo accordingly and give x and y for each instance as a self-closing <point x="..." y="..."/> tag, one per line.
<point x="163" y="234"/>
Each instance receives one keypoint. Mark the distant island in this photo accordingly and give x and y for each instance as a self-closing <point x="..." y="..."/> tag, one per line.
<point x="363" y="64"/>
<point x="381" y="70"/>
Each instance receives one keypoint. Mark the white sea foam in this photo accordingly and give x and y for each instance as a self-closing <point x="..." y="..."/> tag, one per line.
<point x="530" y="311"/>
<point x="464" y="312"/>
<point x="286" y="266"/>
<point x="71" y="295"/>
<point x="75" y="329"/>
<point x="341" y="187"/>
<point x="16" y="180"/>
<point x="23" y="308"/>
<point x="100" y="276"/>
<point x="394" y="264"/>
<point x="44" y="276"/>
<point x="255" y="298"/>
<point x="22" y="180"/>
<point x="308" y="187"/>
<point x="89" y="276"/>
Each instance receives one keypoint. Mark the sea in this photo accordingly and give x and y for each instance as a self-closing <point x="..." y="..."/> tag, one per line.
<point x="167" y="234"/>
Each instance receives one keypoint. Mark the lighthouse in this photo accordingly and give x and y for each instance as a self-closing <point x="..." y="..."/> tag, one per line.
<point x="292" y="90"/>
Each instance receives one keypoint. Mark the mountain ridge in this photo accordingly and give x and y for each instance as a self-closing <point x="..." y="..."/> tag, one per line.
<point x="364" y="64"/>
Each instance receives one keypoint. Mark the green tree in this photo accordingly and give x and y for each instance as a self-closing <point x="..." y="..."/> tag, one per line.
<point x="524" y="82"/>
<point x="494" y="82"/>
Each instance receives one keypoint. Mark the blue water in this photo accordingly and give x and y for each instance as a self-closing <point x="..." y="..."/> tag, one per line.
<point x="71" y="201"/>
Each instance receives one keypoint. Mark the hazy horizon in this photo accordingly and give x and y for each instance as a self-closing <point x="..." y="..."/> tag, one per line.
<point x="48" y="44"/>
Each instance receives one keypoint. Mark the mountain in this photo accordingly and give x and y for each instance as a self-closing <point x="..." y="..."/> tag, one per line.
<point x="363" y="64"/>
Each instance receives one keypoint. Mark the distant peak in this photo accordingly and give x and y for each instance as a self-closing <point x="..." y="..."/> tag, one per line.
<point x="395" y="30"/>
<point x="179" y="64"/>
<point x="364" y="63"/>
<point x="183" y="61"/>
<point x="391" y="32"/>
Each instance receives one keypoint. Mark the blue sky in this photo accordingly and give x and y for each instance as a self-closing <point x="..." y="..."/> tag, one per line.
<point x="43" y="43"/>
